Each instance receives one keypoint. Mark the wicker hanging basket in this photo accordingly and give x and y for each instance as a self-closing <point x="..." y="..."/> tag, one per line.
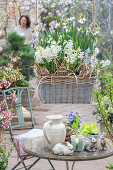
<point x="62" y="89"/>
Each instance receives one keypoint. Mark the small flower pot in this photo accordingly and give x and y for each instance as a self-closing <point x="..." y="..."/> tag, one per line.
<point x="96" y="136"/>
<point x="77" y="143"/>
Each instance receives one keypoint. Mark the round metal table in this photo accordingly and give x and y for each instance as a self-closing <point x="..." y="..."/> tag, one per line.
<point x="37" y="148"/>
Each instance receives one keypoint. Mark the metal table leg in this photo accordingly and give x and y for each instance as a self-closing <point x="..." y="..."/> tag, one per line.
<point x="67" y="165"/>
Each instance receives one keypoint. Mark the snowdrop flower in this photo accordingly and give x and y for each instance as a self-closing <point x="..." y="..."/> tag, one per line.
<point x="60" y="37"/>
<point x="78" y="29"/>
<point x="82" y="20"/>
<point x="50" y="39"/>
<point x="87" y="31"/>
<point x="71" y="18"/>
<point x="64" y="24"/>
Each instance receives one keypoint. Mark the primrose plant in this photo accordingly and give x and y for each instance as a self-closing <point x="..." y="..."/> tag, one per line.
<point x="89" y="129"/>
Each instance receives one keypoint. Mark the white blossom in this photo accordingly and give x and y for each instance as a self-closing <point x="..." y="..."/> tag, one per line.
<point x="82" y="20"/>
<point x="105" y="63"/>
<point x="48" y="53"/>
<point x="57" y="25"/>
<point x="110" y="109"/>
<point x="96" y="52"/>
<point x="81" y="55"/>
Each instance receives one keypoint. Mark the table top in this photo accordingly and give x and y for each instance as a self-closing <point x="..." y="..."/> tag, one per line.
<point x="37" y="148"/>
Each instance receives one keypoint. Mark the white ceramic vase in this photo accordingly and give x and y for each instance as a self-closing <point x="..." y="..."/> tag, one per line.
<point x="54" y="130"/>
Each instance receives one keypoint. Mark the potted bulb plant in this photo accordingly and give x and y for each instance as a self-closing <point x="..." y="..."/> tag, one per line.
<point x="76" y="137"/>
<point x="61" y="67"/>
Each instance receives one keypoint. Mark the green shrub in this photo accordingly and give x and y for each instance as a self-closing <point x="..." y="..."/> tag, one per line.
<point x="15" y="47"/>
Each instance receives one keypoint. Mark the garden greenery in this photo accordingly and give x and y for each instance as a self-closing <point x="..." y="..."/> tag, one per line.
<point x="5" y="148"/>
<point x="5" y="153"/>
<point x="104" y="102"/>
<point x="22" y="53"/>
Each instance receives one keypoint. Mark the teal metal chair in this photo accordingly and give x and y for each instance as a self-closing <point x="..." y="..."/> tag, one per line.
<point x="14" y="98"/>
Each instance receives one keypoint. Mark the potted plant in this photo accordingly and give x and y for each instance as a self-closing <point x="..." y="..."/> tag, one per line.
<point x="89" y="130"/>
<point x="73" y="124"/>
<point x="61" y="65"/>
<point x="72" y="118"/>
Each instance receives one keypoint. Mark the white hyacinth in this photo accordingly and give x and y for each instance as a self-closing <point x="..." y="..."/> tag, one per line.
<point x="81" y="55"/>
<point x="69" y="47"/>
<point x="48" y="53"/>
<point x="70" y="54"/>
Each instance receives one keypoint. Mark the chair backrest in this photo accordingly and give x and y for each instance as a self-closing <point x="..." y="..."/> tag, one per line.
<point x="16" y="98"/>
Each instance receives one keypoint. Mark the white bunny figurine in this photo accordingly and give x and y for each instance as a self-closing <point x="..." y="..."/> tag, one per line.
<point x="63" y="148"/>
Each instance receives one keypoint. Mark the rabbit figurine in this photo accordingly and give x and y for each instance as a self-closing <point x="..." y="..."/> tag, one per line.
<point x="63" y="148"/>
<point x="103" y="146"/>
<point x="91" y="145"/>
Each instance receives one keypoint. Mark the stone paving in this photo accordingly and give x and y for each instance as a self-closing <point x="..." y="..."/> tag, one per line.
<point x="47" y="109"/>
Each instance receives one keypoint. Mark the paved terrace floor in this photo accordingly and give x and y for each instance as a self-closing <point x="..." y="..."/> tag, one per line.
<point x="48" y="109"/>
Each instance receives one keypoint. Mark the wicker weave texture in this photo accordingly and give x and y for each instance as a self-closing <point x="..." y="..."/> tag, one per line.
<point x="66" y="93"/>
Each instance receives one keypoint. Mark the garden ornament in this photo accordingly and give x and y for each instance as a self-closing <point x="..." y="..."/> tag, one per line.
<point x="90" y="145"/>
<point x="103" y="146"/>
<point x="63" y="148"/>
